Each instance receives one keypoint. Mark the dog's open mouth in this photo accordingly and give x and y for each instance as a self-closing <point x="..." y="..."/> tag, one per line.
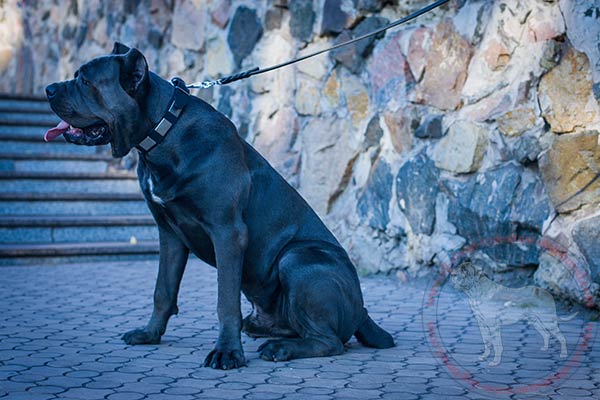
<point x="91" y="133"/>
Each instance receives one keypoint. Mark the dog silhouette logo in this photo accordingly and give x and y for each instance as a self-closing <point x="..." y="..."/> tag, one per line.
<point x="495" y="305"/>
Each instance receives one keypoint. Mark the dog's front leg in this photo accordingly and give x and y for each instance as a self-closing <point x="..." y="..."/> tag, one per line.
<point x="230" y="244"/>
<point x="172" y="260"/>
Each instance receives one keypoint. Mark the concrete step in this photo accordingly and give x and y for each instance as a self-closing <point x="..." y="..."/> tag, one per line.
<point x="25" y="132"/>
<point x="25" y="105"/>
<point x="54" y="162"/>
<point x="63" y="229"/>
<point x="18" y="146"/>
<point x="21" y="182"/>
<point x="28" y="119"/>
<point x="19" y="254"/>
<point x="80" y="204"/>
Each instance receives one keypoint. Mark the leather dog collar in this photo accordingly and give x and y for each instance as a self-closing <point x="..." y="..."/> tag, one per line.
<point x="179" y="100"/>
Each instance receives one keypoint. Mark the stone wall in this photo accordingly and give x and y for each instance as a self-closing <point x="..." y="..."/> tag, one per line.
<point x="470" y="132"/>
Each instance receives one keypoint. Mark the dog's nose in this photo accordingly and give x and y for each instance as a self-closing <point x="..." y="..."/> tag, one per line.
<point x="51" y="90"/>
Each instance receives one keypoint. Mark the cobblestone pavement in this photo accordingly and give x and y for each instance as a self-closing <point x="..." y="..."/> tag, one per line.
<point x="60" y="330"/>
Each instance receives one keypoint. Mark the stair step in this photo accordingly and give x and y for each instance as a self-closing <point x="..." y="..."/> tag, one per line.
<point x="23" y="162"/>
<point x="79" y="204"/>
<point x="61" y="196"/>
<point x="20" y="182"/>
<point x="52" y="156"/>
<point x="70" y="220"/>
<point x="85" y="234"/>
<point x="25" y="106"/>
<point x="69" y="185"/>
<point x="28" y="119"/>
<point x="63" y="229"/>
<point x="25" y="133"/>
<point x="16" y="145"/>
<point x="23" y="97"/>
<point x="14" y="164"/>
<point x="76" y="249"/>
<point x="67" y="175"/>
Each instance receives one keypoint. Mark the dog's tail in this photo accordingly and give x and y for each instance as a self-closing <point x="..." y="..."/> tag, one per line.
<point x="568" y="317"/>
<point x="372" y="335"/>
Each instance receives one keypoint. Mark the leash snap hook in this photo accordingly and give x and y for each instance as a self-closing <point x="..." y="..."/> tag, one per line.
<point x="202" y="85"/>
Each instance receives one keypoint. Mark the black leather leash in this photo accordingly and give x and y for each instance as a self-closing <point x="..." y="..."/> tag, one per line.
<point x="256" y="70"/>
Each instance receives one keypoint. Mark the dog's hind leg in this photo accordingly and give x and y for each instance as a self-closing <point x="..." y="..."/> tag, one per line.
<point x="314" y="316"/>
<point x="260" y="324"/>
<point x="539" y="326"/>
<point x="561" y="339"/>
<point x="321" y="302"/>
<point x="552" y="326"/>
<point x="287" y="349"/>
<point x="173" y="257"/>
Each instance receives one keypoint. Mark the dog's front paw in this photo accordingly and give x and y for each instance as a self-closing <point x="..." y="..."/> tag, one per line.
<point x="225" y="358"/>
<point x="141" y="336"/>
<point x="494" y="363"/>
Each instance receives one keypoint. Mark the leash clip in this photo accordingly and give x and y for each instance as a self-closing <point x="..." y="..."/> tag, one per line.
<point x="203" y="85"/>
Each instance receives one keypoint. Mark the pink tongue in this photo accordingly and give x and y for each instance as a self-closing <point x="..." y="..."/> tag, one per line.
<point x="55" y="132"/>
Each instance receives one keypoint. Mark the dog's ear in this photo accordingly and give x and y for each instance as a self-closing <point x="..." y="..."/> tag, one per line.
<point x="119" y="48"/>
<point x="134" y="73"/>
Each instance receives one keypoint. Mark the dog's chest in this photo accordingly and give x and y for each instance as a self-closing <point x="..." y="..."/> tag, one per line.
<point x="154" y="197"/>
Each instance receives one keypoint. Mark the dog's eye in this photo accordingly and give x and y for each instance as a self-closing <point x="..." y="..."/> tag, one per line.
<point x="85" y="81"/>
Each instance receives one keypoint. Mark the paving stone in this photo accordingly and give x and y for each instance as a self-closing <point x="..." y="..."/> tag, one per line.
<point x="572" y="383"/>
<point x="360" y="394"/>
<point x="282" y="380"/>
<point x="103" y="384"/>
<point x="138" y="387"/>
<point x="126" y="396"/>
<point x="28" y="378"/>
<point x="47" y="389"/>
<point x="264" y="396"/>
<point x="163" y="396"/>
<point x="30" y="396"/>
<point x="333" y="375"/>
<point x="86" y="394"/>
<point x="448" y="390"/>
<point x="83" y="374"/>
<point x="365" y="384"/>
<point x="235" y="385"/>
<point x="310" y="391"/>
<point x="165" y="380"/>
<point x="248" y="377"/>
<point x="399" y="395"/>
<point x="574" y="392"/>
<point x="298" y="396"/>
<point x="222" y="393"/>
<point x="66" y="381"/>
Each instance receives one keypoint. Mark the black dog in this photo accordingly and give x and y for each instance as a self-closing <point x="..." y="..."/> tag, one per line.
<point x="211" y="193"/>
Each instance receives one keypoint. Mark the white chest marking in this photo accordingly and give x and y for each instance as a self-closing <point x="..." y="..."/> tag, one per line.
<point x="155" y="198"/>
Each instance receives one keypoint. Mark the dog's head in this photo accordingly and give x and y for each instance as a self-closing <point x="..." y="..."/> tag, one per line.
<point x="465" y="276"/>
<point x="103" y="103"/>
